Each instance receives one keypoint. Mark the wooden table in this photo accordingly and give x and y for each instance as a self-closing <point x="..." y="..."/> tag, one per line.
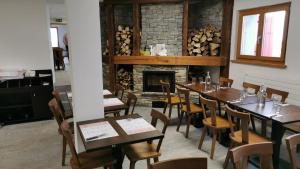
<point x="117" y="142"/>
<point x="290" y="113"/>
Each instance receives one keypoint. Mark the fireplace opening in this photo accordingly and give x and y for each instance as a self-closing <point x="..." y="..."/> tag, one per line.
<point x="151" y="80"/>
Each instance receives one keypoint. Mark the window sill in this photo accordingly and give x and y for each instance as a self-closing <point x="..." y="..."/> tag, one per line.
<point x="260" y="63"/>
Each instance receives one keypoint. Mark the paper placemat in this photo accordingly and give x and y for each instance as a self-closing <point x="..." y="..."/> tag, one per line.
<point x="134" y="126"/>
<point x="96" y="131"/>
<point x="112" y="102"/>
<point x="106" y="92"/>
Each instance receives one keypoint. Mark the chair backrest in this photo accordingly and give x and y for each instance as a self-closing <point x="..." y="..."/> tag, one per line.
<point x="55" y="109"/>
<point x="67" y="133"/>
<point x="211" y="105"/>
<point x="283" y="94"/>
<point x="184" y="98"/>
<point x="119" y="91"/>
<point x="55" y="94"/>
<point x="238" y="119"/>
<point x="166" y="90"/>
<point x="251" y="86"/>
<point x="131" y="102"/>
<point x="186" y="163"/>
<point x="292" y="142"/>
<point x="240" y="155"/>
<point x="156" y="115"/>
<point x="225" y="82"/>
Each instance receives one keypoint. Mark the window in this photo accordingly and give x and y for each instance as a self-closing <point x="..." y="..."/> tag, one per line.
<point x="54" y="36"/>
<point x="262" y="35"/>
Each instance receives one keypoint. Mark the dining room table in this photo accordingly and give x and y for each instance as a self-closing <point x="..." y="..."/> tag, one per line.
<point x="288" y="113"/>
<point x="116" y="132"/>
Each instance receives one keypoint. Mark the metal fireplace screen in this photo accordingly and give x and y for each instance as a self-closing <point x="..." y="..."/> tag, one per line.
<point x="151" y="80"/>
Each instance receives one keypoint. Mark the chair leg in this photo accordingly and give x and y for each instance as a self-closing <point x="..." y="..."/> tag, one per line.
<point x="170" y="110"/>
<point x="148" y="163"/>
<point x="228" y="155"/>
<point x="264" y="127"/>
<point x="213" y="145"/>
<point x="188" y="126"/>
<point x="165" y="108"/>
<point x="202" y="137"/>
<point x="253" y="123"/>
<point x="132" y="164"/>
<point x="64" y="146"/>
<point x="178" y="110"/>
<point x="155" y="159"/>
<point x="180" y="120"/>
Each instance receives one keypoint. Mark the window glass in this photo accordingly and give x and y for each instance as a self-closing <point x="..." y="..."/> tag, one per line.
<point x="249" y="35"/>
<point x="273" y="33"/>
<point x="54" y="37"/>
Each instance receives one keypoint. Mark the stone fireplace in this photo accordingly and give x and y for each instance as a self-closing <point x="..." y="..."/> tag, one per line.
<point x="151" y="80"/>
<point x="146" y="97"/>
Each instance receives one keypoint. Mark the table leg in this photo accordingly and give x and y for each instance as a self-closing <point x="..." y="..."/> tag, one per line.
<point x="276" y="136"/>
<point x="119" y="155"/>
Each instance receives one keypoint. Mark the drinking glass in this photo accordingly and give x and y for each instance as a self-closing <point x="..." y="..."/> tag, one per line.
<point x="194" y="80"/>
<point x="276" y="103"/>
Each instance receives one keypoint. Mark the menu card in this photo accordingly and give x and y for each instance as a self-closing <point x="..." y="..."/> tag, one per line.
<point x="106" y="92"/>
<point x="96" y="131"/>
<point x="134" y="126"/>
<point x="112" y="102"/>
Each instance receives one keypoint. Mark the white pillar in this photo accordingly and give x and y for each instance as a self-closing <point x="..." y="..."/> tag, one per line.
<point x="86" y="63"/>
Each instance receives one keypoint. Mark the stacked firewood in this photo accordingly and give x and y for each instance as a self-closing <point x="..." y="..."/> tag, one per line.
<point x="205" y="41"/>
<point x="124" y="78"/>
<point x="123" y="46"/>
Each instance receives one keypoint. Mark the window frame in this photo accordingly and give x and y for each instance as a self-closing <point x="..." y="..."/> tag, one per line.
<point x="56" y="27"/>
<point x="258" y="59"/>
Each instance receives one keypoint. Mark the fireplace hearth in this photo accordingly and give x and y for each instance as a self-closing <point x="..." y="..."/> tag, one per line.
<point x="151" y="80"/>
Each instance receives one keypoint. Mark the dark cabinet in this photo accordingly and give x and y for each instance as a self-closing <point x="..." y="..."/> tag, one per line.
<point x="26" y="99"/>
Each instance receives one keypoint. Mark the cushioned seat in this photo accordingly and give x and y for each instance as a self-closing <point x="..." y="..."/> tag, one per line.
<point x="194" y="108"/>
<point x="140" y="151"/>
<point x="94" y="159"/>
<point x="174" y="100"/>
<point x="220" y="122"/>
<point x="253" y="138"/>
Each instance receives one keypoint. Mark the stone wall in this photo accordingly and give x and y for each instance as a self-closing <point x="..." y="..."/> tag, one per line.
<point x="206" y="12"/>
<point x="162" y="24"/>
<point x="147" y="97"/>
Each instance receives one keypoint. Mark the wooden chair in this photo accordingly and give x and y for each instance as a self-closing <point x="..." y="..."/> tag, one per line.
<point x="256" y="88"/>
<point x="147" y="150"/>
<point x="84" y="160"/>
<point x="180" y="163"/>
<point x="251" y="86"/>
<point x="292" y="142"/>
<point x="66" y="115"/>
<point x="57" y="113"/>
<point x="242" y="135"/>
<point x="190" y="109"/>
<point x="119" y="91"/>
<point x="225" y="82"/>
<point x="130" y="103"/>
<point x="214" y="122"/>
<point x="168" y="99"/>
<point x="240" y="155"/>
<point x="270" y="93"/>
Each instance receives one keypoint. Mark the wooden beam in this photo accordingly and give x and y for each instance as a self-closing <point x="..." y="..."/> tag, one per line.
<point x="171" y="60"/>
<point x="185" y="27"/>
<point x="110" y="37"/>
<point x="226" y="34"/>
<point x="136" y="29"/>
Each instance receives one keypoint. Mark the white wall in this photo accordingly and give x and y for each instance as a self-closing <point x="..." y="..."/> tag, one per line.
<point x="86" y="62"/>
<point x="24" y="35"/>
<point x="287" y="79"/>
